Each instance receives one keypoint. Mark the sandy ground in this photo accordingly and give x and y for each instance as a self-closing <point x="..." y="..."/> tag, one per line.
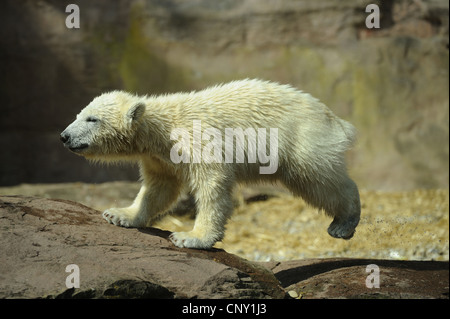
<point x="411" y="225"/>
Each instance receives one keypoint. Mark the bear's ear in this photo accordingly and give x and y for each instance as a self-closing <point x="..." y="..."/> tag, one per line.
<point x="135" y="112"/>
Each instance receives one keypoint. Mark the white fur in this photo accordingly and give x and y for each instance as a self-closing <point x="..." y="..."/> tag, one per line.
<point x="311" y="146"/>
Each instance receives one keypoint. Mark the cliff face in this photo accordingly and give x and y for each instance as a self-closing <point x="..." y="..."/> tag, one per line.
<point x="391" y="83"/>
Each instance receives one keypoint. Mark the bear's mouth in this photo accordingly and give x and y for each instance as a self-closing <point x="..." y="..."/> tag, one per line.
<point x="78" y="148"/>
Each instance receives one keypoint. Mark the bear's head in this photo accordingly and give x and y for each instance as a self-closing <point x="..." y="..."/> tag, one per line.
<point x="106" y="127"/>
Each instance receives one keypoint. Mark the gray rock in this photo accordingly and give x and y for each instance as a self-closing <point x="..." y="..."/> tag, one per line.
<point x="346" y="278"/>
<point x="40" y="237"/>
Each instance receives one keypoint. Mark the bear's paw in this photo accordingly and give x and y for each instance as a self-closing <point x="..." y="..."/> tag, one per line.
<point x="192" y="240"/>
<point x="120" y="217"/>
<point x="343" y="228"/>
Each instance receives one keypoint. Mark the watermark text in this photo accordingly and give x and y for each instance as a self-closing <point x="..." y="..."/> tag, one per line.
<point x="73" y="19"/>
<point x="73" y="280"/>
<point x="373" y="19"/>
<point x="251" y="142"/>
<point x="373" y="279"/>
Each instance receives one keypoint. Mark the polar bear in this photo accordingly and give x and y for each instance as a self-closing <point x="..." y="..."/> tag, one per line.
<point x="173" y="136"/>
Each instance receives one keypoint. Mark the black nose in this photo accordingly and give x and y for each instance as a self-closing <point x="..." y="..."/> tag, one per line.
<point x="64" y="137"/>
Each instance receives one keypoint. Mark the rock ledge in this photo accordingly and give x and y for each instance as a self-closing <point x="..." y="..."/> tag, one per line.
<point x="41" y="237"/>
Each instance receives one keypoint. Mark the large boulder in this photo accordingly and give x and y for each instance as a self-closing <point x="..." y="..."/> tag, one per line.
<point x="41" y="237"/>
<point x="364" y="278"/>
<point x="42" y="240"/>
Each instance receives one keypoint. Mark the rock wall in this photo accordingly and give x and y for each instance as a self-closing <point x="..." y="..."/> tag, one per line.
<point x="392" y="82"/>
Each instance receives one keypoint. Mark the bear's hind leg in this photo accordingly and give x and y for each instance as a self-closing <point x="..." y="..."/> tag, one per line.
<point x="346" y="211"/>
<point x="338" y="197"/>
<point x="155" y="197"/>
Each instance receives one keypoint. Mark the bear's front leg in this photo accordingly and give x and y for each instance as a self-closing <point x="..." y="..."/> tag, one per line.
<point x="132" y="216"/>
<point x="155" y="197"/>
<point x="124" y="217"/>
<point x="214" y="205"/>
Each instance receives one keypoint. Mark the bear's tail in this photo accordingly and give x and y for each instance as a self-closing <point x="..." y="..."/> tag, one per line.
<point x="350" y="133"/>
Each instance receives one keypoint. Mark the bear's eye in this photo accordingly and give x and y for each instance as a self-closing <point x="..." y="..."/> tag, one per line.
<point x="92" y="119"/>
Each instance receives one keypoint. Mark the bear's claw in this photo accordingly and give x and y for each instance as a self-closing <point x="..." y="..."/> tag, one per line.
<point x="117" y="217"/>
<point x="189" y="240"/>
<point x="344" y="229"/>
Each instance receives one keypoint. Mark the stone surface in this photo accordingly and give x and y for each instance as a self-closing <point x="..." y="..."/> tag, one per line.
<point x="391" y="83"/>
<point x="346" y="278"/>
<point x="41" y="237"/>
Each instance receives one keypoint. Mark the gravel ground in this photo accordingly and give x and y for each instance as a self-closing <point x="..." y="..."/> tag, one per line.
<point x="411" y="225"/>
